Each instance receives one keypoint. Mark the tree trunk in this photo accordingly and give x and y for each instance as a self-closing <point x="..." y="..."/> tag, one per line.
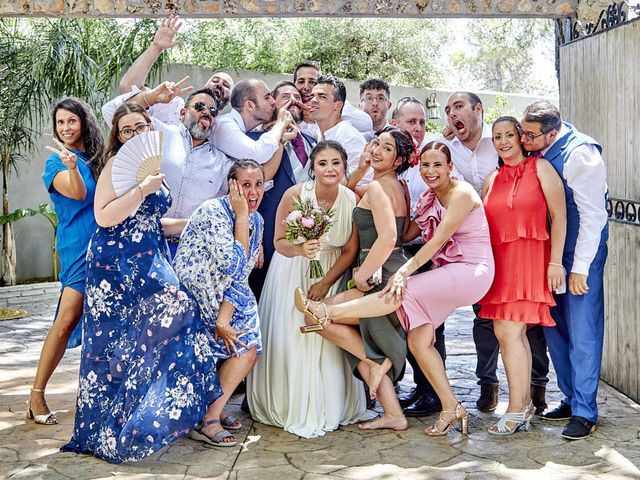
<point x="8" y="244"/>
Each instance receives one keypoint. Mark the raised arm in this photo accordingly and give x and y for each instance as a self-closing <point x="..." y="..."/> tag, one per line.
<point x="68" y="182"/>
<point x="110" y="209"/>
<point x="163" y="39"/>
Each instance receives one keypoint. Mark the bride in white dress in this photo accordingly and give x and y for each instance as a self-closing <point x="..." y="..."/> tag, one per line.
<point x="303" y="383"/>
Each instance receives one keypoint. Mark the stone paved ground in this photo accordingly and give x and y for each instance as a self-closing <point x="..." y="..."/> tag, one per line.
<point x="28" y="451"/>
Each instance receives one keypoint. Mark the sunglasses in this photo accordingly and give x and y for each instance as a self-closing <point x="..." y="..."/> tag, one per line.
<point x="200" y="106"/>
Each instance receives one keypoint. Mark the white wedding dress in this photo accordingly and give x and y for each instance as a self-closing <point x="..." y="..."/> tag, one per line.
<point x="303" y="382"/>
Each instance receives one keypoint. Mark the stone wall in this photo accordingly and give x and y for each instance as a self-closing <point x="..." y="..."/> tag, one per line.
<point x="297" y="8"/>
<point x="21" y="296"/>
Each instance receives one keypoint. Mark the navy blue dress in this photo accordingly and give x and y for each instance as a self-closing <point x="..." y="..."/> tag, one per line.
<point x="147" y="372"/>
<point x="76" y="224"/>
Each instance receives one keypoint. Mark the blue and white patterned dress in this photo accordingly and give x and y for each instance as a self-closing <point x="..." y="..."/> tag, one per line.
<point x="147" y="372"/>
<point x="215" y="267"/>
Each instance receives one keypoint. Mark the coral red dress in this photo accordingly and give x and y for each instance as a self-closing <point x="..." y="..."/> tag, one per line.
<point x="517" y="214"/>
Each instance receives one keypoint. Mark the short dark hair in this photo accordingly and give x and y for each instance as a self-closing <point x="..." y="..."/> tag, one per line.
<point x="438" y="146"/>
<point x="374" y="84"/>
<point x="244" y="164"/>
<point x="327" y="145"/>
<point x="473" y="99"/>
<point x="206" y="91"/>
<point x="242" y="91"/>
<point x="307" y="64"/>
<point x="404" y="145"/>
<point x="545" y="113"/>
<point x="339" y="90"/>
<point x="279" y="85"/>
<point x="401" y="103"/>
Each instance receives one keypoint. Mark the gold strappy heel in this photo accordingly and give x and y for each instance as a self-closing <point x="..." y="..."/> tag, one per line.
<point x="461" y="415"/>
<point x="302" y="304"/>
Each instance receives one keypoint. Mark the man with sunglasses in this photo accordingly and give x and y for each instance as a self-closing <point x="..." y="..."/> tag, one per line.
<point x="194" y="169"/>
<point x="220" y="83"/>
<point x="575" y="343"/>
<point x="475" y="157"/>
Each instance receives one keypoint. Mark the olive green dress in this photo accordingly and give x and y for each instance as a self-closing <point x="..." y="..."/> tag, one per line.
<point x="384" y="336"/>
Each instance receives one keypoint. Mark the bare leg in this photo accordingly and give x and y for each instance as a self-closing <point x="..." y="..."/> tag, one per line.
<point x="516" y="356"/>
<point x="231" y="374"/>
<point x="55" y="344"/>
<point x="393" y="417"/>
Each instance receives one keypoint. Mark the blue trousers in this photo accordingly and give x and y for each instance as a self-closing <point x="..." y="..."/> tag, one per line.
<point x="575" y="343"/>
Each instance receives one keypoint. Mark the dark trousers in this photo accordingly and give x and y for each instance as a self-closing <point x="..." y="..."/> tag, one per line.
<point x="422" y="384"/>
<point x="487" y="350"/>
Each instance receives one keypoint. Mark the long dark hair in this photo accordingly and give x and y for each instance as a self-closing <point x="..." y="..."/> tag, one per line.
<point x="327" y="145"/>
<point x="114" y="139"/>
<point x="404" y="145"/>
<point x="90" y="133"/>
<point x="516" y="124"/>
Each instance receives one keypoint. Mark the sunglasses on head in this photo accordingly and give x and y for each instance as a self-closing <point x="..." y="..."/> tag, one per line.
<point x="200" y="106"/>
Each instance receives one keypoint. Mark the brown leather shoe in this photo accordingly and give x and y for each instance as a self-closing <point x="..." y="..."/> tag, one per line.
<point x="488" y="400"/>
<point x="538" y="399"/>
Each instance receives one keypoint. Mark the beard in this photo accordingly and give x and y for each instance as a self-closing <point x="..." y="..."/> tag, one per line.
<point x="191" y="122"/>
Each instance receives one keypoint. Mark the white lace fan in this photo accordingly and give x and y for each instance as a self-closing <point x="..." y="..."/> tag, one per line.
<point x="137" y="158"/>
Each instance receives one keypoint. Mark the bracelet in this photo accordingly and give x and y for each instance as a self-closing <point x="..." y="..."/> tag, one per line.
<point x="284" y="142"/>
<point x="551" y="264"/>
<point x="242" y="221"/>
<point x="141" y="192"/>
<point x="144" y="97"/>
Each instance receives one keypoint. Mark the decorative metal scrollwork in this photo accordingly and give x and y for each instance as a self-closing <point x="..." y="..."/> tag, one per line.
<point x="624" y="211"/>
<point x="570" y="29"/>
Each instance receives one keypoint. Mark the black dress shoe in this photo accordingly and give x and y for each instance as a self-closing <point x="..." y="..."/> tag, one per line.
<point x="244" y="406"/>
<point x="488" y="400"/>
<point x="560" y="413"/>
<point x="409" y="398"/>
<point x="578" y="428"/>
<point x="424" y="406"/>
<point x="538" y="398"/>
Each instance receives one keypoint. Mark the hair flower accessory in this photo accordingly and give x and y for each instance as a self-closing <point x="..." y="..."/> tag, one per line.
<point x="414" y="157"/>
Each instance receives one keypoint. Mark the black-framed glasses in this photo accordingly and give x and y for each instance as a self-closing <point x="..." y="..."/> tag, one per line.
<point x="128" y="133"/>
<point x="532" y="136"/>
<point x="200" y="106"/>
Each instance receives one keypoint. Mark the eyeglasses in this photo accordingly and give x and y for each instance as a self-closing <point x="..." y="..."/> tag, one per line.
<point x="127" y="133"/>
<point x="532" y="136"/>
<point x="200" y="106"/>
<point x="379" y="99"/>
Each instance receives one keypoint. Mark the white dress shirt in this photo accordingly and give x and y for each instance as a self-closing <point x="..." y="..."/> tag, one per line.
<point x="192" y="174"/>
<point x="474" y="165"/>
<point x="353" y="142"/>
<point x="229" y="137"/>
<point x="586" y="175"/>
<point x="359" y="119"/>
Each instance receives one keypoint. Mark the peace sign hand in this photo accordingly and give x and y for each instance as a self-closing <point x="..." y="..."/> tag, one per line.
<point x="164" y="37"/>
<point x="69" y="159"/>
<point x="167" y="91"/>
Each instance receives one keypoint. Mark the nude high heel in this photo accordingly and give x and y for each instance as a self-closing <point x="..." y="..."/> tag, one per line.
<point x="460" y="415"/>
<point x="302" y="304"/>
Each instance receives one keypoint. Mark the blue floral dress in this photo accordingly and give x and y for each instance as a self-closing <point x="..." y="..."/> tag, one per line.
<point x="215" y="267"/>
<point x="147" y="372"/>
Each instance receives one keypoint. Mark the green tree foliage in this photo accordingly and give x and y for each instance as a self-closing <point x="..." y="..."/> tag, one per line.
<point x="348" y="48"/>
<point x="503" y="52"/>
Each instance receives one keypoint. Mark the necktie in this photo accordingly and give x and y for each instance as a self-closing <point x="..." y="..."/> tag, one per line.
<point x="298" y="146"/>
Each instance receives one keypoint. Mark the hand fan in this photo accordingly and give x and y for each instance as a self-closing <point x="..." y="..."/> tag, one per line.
<point x="136" y="159"/>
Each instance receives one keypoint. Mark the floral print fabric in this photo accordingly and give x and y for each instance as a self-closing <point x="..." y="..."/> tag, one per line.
<point x="147" y="371"/>
<point x="215" y="267"/>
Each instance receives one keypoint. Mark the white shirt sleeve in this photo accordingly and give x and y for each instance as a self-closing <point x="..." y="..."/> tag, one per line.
<point x="359" y="119"/>
<point x="109" y="108"/>
<point x="233" y="142"/>
<point x="586" y="175"/>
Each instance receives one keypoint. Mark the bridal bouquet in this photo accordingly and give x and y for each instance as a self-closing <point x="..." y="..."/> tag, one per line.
<point x="308" y="221"/>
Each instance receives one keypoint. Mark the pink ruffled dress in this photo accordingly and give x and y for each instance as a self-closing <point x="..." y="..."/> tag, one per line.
<point x="517" y="215"/>
<point x="462" y="269"/>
